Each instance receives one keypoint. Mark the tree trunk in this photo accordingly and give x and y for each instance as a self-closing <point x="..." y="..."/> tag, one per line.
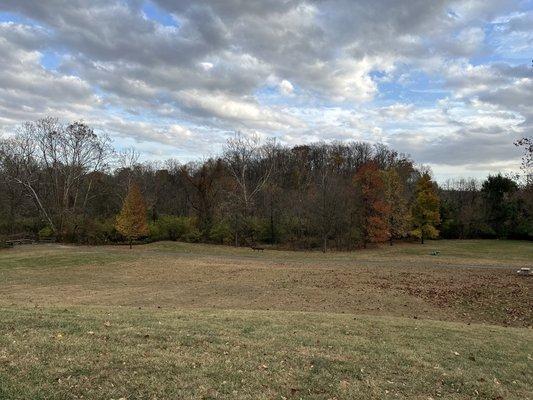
<point x="390" y="240"/>
<point x="131" y="241"/>
<point x="272" y="229"/>
<point x="422" y="237"/>
<point x="325" y="244"/>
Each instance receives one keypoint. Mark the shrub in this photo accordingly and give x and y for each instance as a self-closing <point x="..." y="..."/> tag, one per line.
<point x="100" y="232"/>
<point x="3" y="244"/>
<point x="46" y="233"/>
<point x="169" y="227"/>
<point x="221" y="233"/>
<point x="193" y="236"/>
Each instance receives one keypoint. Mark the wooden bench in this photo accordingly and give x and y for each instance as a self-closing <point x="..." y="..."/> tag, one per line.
<point x="257" y="248"/>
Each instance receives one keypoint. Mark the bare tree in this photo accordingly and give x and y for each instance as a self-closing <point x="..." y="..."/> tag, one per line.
<point x="250" y="165"/>
<point x="527" y="158"/>
<point x="55" y="165"/>
<point x="21" y="167"/>
<point x="241" y="153"/>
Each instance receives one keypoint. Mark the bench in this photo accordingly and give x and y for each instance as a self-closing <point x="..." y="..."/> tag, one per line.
<point x="257" y="248"/>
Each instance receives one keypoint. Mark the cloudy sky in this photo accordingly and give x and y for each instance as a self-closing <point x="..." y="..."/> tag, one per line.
<point x="448" y="82"/>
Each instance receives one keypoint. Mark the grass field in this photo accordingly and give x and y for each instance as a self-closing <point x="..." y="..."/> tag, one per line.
<point x="173" y="320"/>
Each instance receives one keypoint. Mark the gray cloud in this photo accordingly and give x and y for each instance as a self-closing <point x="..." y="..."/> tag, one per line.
<point x="300" y="70"/>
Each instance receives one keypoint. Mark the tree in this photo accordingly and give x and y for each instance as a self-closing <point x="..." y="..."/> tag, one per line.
<point x="497" y="192"/>
<point x="202" y="178"/>
<point x="461" y="209"/>
<point x="399" y="214"/>
<point x="527" y="158"/>
<point x="426" y="214"/>
<point x="131" y="222"/>
<point x="324" y="194"/>
<point x="250" y="165"/>
<point x="55" y="164"/>
<point x="374" y="211"/>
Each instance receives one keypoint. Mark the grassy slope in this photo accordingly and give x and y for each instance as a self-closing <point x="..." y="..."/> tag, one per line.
<point x="103" y="353"/>
<point x="52" y="297"/>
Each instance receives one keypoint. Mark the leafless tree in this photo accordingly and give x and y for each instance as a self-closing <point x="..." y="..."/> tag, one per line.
<point x="55" y="165"/>
<point x="242" y="153"/>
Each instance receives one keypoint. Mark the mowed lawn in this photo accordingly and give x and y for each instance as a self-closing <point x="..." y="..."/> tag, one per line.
<point x="173" y="320"/>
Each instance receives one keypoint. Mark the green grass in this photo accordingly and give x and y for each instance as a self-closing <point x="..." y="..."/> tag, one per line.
<point x="103" y="353"/>
<point x="174" y="320"/>
<point x="489" y="251"/>
<point x="71" y="256"/>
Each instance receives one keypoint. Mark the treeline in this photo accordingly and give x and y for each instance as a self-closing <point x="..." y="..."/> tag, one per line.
<point x="65" y="181"/>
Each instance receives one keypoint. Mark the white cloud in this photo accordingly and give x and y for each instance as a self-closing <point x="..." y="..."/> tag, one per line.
<point x="286" y="88"/>
<point x="355" y="66"/>
<point x="206" y="66"/>
<point x="246" y="113"/>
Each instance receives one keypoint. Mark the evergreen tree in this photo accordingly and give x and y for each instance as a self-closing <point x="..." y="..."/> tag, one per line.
<point x="426" y="214"/>
<point x="399" y="215"/>
<point x="131" y="222"/>
<point x="499" y="208"/>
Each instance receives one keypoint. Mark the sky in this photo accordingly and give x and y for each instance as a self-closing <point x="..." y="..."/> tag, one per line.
<point x="449" y="83"/>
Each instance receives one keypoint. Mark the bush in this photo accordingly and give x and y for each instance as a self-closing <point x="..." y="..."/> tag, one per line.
<point x="90" y="231"/>
<point x="46" y="233"/>
<point x="23" y="226"/>
<point x="100" y="232"/>
<point x="522" y="231"/>
<point x="3" y="244"/>
<point x="193" y="236"/>
<point x="486" y="232"/>
<point x="169" y="227"/>
<point x="221" y="233"/>
<point x="450" y="229"/>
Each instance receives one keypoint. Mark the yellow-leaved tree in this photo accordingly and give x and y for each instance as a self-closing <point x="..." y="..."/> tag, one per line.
<point x="131" y="222"/>
<point x="426" y="215"/>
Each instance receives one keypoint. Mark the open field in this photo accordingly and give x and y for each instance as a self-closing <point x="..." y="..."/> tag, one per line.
<point x="175" y="320"/>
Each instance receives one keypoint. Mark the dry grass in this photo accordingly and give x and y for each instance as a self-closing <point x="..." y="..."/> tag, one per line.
<point x="469" y="281"/>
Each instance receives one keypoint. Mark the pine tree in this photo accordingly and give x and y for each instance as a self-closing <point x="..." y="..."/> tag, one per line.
<point x="399" y="215"/>
<point x="131" y="222"/>
<point x="374" y="212"/>
<point x="426" y="209"/>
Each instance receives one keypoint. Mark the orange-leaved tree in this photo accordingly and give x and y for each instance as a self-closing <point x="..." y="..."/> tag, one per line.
<point x="426" y="215"/>
<point x="374" y="211"/>
<point x="131" y="222"/>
